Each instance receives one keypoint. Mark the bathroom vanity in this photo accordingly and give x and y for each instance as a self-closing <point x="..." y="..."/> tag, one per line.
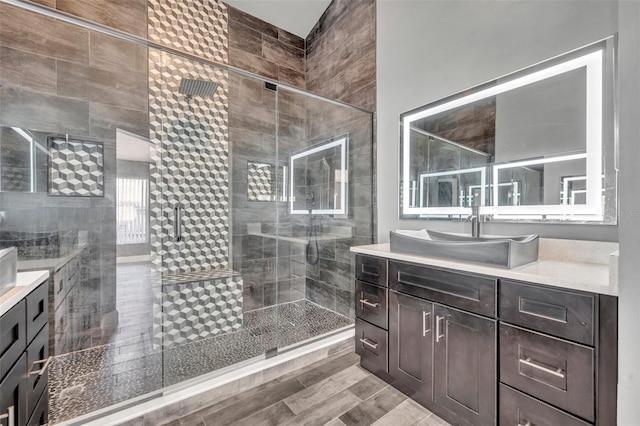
<point x="481" y="345"/>
<point x="24" y="351"/>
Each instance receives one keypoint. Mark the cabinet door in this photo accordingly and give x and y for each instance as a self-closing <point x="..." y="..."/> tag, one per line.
<point x="465" y="365"/>
<point x="411" y="345"/>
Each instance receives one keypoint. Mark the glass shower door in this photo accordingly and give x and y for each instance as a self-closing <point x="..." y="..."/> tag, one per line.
<point x="207" y="125"/>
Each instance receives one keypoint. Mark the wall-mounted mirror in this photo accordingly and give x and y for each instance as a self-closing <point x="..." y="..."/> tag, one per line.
<point x="23" y="160"/>
<point x="319" y="178"/>
<point x="538" y="144"/>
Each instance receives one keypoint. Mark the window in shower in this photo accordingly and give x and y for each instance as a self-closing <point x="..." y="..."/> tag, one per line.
<point x="132" y="210"/>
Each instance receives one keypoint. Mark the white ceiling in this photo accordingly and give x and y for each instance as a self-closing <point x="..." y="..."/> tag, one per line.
<point x="296" y="16"/>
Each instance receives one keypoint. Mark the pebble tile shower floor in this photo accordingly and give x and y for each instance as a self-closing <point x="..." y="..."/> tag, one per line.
<point x="85" y="381"/>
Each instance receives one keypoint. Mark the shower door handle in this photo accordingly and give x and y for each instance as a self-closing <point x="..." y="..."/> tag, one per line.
<point x="177" y="224"/>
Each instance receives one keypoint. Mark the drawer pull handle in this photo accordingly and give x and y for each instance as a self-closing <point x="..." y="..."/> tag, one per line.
<point x="40" y="372"/>
<point x="366" y="302"/>
<point x="425" y="330"/>
<point x="9" y="415"/>
<point x="367" y="342"/>
<point x="558" y="372"/>
<point x="370" y="270"/>
<point x="438" y="335"/>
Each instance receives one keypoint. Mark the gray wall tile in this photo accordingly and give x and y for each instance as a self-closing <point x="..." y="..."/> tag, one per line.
<point x="105" y="119"/>
<point x="283" y="54"/>
<point x="38" y="34"/>
<point x="48" y="113"/>
<point x="109" y="87"/>
<point x="126" y="15"/>
<point x="27" y="70"/>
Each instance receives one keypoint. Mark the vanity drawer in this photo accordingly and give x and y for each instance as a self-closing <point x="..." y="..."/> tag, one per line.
<point x="12" y="395"/>
<point x="37" y="310"/>
<point x="38" y="363"/>
<point x="467" y="292"/>
<point x="13" y="337"/>
<point x="372" y="270"/>
<point x="371" y="304"/>
<point x="556" y="371"/>
<point x="517" y="408"/>
<point x="560" y="313"/>
<point x="372" y="346"/>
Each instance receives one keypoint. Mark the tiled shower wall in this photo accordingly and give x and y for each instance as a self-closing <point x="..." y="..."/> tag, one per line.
<point x="59" y="79"/>
<point x="341" y="53"/>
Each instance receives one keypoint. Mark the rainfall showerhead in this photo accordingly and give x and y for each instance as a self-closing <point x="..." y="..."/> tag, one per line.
<point x="197" y="87"/>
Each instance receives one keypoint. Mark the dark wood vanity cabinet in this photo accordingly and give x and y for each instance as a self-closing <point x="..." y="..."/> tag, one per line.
<point x="431" y="344"/>
<point x="478" y="350"/>
<point x="24" y="361"/>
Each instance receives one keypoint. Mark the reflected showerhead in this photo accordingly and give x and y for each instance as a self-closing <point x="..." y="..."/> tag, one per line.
<point x="197" y="87"/>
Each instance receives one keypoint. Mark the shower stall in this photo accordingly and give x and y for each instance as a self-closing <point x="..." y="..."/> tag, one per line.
<point x="193" y="217"/>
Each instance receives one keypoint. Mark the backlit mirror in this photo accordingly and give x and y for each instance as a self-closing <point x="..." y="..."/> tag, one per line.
<point x="537" y="144"/>
<point x="319" y="179"/>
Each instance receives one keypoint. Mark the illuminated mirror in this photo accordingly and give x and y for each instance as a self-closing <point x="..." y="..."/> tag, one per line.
<point x="319" y="179"/>
<point x="537" y="144"/>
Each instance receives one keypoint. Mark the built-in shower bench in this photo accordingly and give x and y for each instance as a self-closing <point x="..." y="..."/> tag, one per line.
<point x="196" y="305"/>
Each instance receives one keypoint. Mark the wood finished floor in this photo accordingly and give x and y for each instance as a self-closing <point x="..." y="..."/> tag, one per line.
<point x="334" y="392"/>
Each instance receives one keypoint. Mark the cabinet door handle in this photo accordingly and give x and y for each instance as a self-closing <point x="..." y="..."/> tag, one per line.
<point x="425" y="330"/>
<point x="10" y="414"/>
<point x="40" y="372"/>
<point x="526" y="423"/>
<point x="369" y="343"/>
<point x="529" y="363"/>
<point x="366" y="302"/>
<point x="438" y="335"/>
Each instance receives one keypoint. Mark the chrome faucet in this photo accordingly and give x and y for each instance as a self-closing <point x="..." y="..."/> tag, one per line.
<point x="474" y="218"/>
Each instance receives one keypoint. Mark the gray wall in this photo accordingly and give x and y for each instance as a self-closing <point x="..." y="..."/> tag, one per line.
<point x="629" y="290"/>
<point x="463" y="44"/>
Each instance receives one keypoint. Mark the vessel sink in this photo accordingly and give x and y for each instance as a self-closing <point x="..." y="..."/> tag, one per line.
<point x="504" y="252"/>
<point x="8" y="268"/>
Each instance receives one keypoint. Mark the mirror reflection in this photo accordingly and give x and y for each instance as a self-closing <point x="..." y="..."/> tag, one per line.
<point x="266" y="182"/>
<point x="23" y="160"/>
<point x="537" y="143"/>
<point x="319" y="179"/>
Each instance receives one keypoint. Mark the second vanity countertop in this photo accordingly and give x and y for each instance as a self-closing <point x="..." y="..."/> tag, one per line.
<point x="26" y="283"/>
<point x="571" y="264"/>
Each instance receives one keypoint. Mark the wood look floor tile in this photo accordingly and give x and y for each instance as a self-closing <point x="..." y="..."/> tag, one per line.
<point x="325" y="411"/>
<point x="373" y="408"/>
<point x="367" y="387"/>
<point x="273" y="415"/>
<point x="324" y="389"/>
<point x="310" y="377"/>
<point x="335" y="422"/>
<point x="246" y="407"/>
<point x="408" y="413"/>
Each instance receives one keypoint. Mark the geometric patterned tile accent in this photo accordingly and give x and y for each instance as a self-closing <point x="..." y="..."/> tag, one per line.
<point x="259" y="181"/>
<point x="189" y="167"/>
<point x="76" y="168"/>
<point x="194" y="26"/>
<point x="191" y="307"/>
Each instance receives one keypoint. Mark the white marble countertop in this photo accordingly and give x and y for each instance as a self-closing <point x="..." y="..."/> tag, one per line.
<point x="585" y="272"/>
<point x="26" y="283"/>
